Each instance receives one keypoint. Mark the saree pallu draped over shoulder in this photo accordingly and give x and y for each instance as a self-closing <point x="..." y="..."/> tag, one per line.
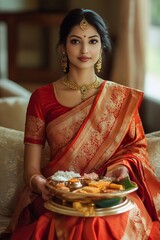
<point x="83" y="135"/>
<point x="102" y="132"/>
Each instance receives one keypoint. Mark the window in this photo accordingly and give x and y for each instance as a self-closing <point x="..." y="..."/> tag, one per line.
<point x="152" y="80"/>
<point x="3" y="51"/>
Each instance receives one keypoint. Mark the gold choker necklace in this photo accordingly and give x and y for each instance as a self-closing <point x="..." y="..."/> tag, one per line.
<point x="84" y="88"/>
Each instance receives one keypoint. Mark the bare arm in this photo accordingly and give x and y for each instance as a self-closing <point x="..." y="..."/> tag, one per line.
<point x="32" y="165"/>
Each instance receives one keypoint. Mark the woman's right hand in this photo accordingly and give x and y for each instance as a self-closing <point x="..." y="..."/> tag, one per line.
<point x="39" y="186"/>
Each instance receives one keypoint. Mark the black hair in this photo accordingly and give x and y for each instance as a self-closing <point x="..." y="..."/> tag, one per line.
<point x="74" y="18"/>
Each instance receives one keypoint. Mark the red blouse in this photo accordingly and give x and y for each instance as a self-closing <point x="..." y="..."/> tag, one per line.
<point x="43" y="107"/>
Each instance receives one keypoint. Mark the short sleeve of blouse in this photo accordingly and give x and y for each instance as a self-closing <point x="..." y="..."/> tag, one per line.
<point x="35" y="120"/>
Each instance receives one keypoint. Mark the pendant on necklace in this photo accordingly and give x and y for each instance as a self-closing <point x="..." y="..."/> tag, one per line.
<point x="83" y="89"/>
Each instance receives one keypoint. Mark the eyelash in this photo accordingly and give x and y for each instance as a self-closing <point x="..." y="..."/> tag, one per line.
<point x="94" y="41"/>
<point x="76" y="41"/>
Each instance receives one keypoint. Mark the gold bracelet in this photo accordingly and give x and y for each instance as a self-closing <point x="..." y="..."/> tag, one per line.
<point x="32" y="177"/>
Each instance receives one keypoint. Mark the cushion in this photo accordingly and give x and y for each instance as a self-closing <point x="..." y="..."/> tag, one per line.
<point x="153" y="141"/>
<point x="11" y="168"/>
<point x="10" y="88"/>
<point x="13" y="112"/>
<point x="11" y="163"/>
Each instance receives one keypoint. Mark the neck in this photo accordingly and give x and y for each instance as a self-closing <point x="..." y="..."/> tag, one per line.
<point x="83" y="88"/>
<point x="82" y="77"/>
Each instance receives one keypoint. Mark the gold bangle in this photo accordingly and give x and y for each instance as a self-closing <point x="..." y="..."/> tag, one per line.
<point x="32" y="177"/>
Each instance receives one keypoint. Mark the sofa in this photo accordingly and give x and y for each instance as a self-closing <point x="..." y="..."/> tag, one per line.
<point x="13" y="103"/>
<point x="11" y="150"/>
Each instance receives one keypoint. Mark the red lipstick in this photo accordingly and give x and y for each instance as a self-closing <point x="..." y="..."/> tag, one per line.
<point x="84" y="59"/>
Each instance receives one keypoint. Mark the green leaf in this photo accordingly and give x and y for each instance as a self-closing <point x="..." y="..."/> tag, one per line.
<point x="109" y="202"/>
<point x="127" y="183"/>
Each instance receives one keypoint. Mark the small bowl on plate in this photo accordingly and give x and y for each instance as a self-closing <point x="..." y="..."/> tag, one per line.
<point x="74" y="184"/>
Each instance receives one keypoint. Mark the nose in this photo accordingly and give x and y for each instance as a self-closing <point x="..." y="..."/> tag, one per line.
<point x="84" y="48"/>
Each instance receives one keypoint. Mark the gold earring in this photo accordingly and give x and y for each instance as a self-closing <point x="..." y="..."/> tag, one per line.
<point x="99" y="62"/>
<point x="64" y="61"/>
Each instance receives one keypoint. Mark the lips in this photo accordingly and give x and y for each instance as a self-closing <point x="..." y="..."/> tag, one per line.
<point x="84" y="59"/>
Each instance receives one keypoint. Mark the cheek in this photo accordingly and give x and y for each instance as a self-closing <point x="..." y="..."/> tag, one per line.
<point x="96" y="53"/>
<point x="71" y="50"/>
<point x="71" y="54"/>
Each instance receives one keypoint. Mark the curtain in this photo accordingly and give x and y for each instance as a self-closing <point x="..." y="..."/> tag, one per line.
<point x="129" y="58"/>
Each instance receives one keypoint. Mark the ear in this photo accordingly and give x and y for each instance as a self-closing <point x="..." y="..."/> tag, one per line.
<point x="63" y="48"/>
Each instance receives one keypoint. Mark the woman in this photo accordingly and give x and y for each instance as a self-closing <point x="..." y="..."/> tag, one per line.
<point x="91" y="125"/>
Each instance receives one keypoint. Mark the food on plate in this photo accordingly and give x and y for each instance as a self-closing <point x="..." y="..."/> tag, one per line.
<point x="99" y="184"/>
<point x="86" y="209"/>
<point x="106" y="184"/>
<point x="74" y="183"/>
<point x="64" y="175"/>
<point x="73" y="180"/>
<point x="88" y="189"/>
<point x="92" y="176"/>
<point x="116" y="186"/>
<point x="63" y="188"/>
<point x="60" y="185"/>
<point x="88" y="183"/>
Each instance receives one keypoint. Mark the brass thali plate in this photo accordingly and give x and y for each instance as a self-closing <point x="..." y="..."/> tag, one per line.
<point x="126" y="205"/>
<point x="75" y="196"/>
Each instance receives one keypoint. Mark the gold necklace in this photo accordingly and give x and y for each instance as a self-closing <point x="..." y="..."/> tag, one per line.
<point x="84" y="88"/>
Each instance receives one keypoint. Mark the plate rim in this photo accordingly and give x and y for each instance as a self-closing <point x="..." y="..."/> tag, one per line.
<point x="74" y="196"/>
<point x="99" y="212"/>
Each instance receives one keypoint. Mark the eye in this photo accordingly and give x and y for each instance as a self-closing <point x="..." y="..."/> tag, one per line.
<point x="93" y="41"/>
<point x="74" y="41"/>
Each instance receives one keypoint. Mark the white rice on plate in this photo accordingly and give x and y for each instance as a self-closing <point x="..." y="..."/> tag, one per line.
<point x="64" y="176"/>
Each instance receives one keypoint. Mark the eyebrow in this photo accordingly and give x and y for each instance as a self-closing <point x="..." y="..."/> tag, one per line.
<point x="80" y="37"/>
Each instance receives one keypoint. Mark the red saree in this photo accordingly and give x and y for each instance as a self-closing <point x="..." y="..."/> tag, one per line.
<point x="100" y="133"/>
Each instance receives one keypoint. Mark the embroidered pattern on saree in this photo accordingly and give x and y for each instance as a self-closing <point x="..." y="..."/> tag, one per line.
<point x="99" y="132"/>
<point x="156" y="203"/>
<point x="94" y="134"/>
<point x="34" y="127"/>
<point x="140" y="227"/>
<point x="61" y="135"/>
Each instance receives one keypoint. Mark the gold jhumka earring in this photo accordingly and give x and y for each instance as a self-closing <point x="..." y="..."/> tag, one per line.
<point x="99" y="62"/>
<point x="83" y="24"/>
<point x="64" y="61"/>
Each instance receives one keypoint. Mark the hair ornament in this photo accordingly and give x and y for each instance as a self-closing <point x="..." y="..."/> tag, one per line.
<point x="83" y="24"/>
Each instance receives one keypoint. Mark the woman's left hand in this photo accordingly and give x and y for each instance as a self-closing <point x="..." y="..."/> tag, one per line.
<point x="118" y="173"/>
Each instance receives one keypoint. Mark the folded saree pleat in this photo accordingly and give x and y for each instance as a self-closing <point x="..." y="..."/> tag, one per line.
<point x="100" y="228"/>
<point x="45" y="228"/>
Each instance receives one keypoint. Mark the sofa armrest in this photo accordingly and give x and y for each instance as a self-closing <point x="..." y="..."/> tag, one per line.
<point x="9" y="88"/>
<point x="13" y="112"/>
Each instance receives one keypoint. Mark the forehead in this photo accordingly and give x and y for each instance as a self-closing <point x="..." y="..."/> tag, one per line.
<point x="90" y="31"/>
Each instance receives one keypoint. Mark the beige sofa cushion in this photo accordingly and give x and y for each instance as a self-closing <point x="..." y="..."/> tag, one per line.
<point x="13" y="112"/>
<point x="11" y="168"/>
<point x="11" y="162"/>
